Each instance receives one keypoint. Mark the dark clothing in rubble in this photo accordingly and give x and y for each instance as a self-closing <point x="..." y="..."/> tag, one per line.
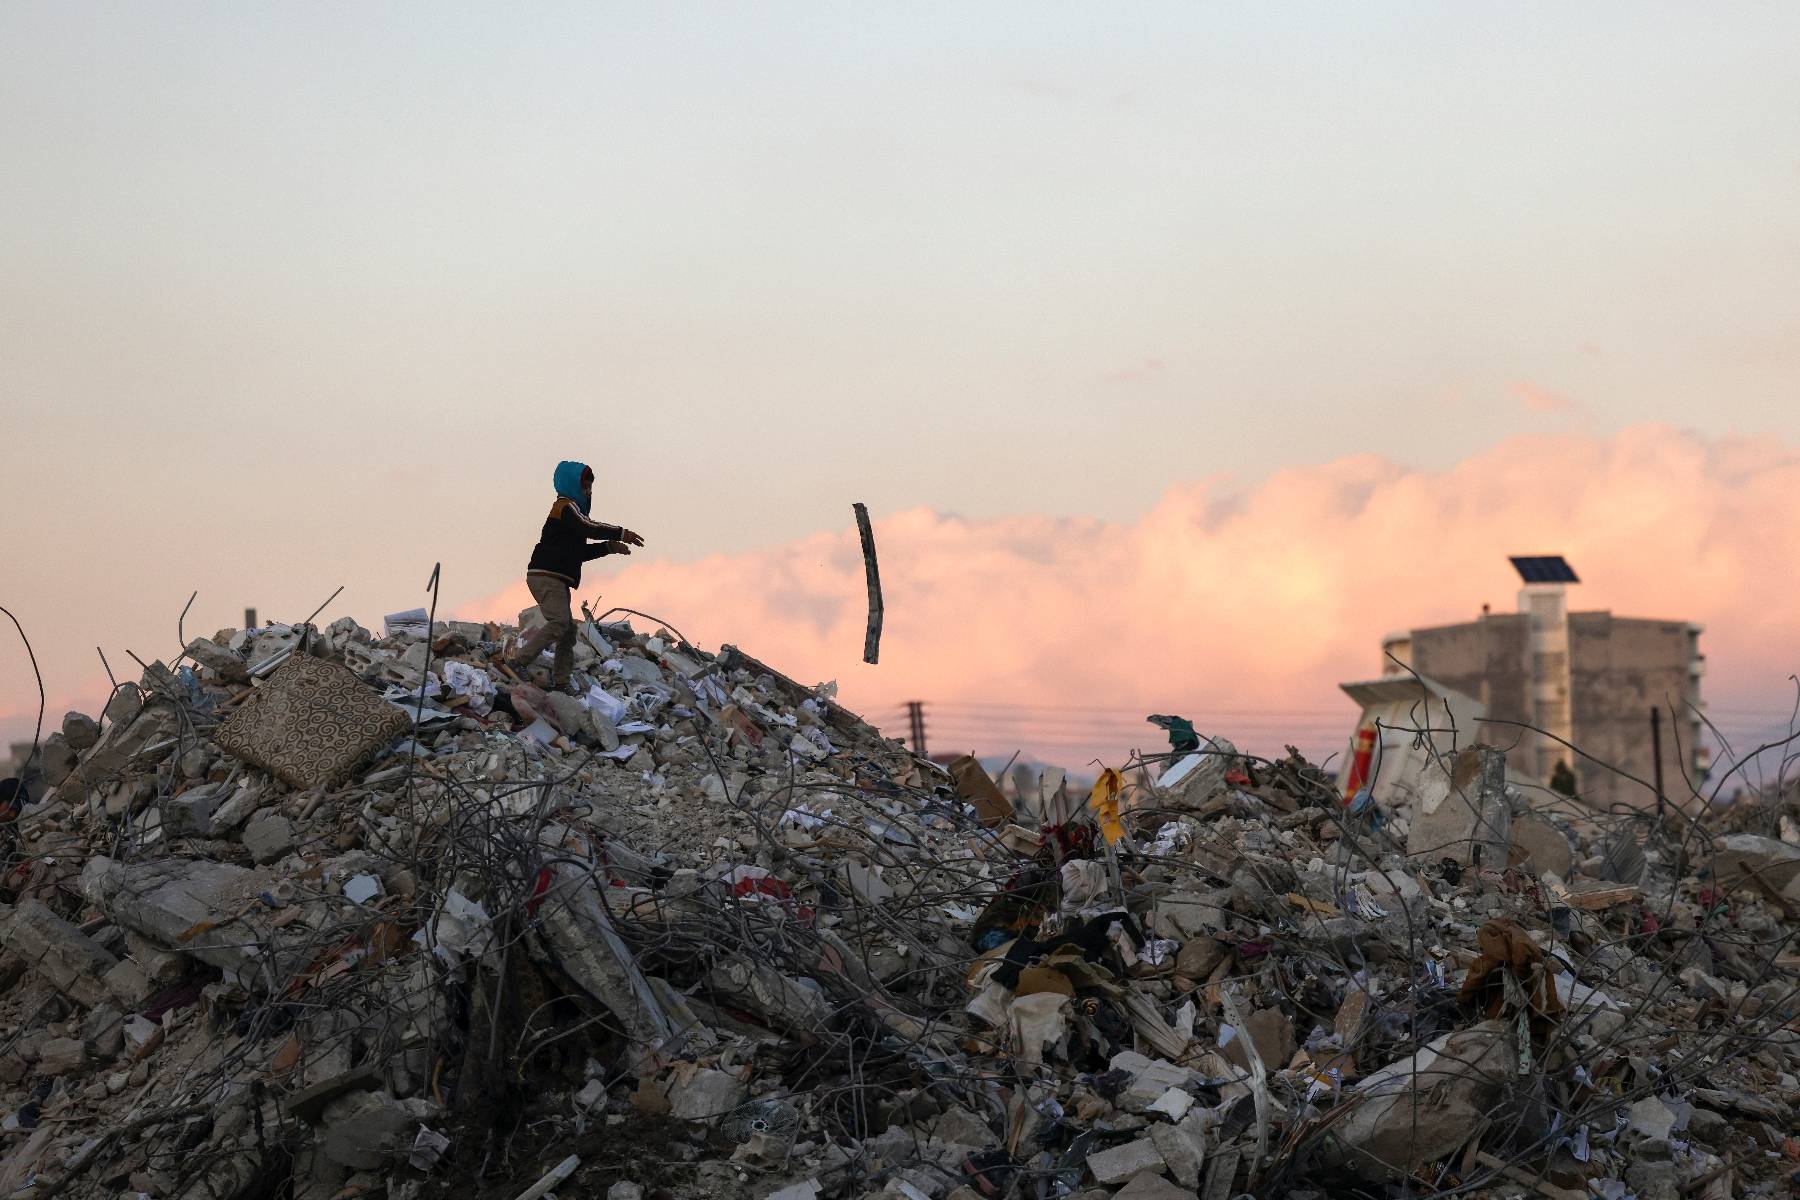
<point x="563" y="545"/>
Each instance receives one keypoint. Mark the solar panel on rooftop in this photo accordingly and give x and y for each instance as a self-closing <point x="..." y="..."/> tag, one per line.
<point x="1550" y="568"/>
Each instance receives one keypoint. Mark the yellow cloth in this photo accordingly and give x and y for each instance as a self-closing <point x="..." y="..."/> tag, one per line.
<point x="1104" y="800"/>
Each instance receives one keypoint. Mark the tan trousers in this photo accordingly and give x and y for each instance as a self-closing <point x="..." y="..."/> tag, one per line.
<point x="559" y="626"/>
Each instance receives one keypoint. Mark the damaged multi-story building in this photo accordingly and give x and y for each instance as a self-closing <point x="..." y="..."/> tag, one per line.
<point x="1545" y="678"/>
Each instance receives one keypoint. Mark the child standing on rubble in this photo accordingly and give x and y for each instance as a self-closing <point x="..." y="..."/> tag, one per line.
<point x="555" y="569"/>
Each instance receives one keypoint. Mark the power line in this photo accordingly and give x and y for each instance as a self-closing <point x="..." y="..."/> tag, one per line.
<point x="1007" y="706"/>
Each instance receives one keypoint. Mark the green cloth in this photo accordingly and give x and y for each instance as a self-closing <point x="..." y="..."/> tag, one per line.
<point x="1182" y="738"/>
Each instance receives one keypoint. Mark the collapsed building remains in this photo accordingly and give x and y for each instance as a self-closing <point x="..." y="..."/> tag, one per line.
<point x="326" y="914"/>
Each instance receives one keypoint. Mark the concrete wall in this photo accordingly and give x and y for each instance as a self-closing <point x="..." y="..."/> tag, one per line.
<point x="1487" y="660"/>
<point x="1620" y="668"/>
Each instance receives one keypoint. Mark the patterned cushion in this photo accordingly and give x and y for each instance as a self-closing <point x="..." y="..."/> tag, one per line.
<point x="311" y="724"/>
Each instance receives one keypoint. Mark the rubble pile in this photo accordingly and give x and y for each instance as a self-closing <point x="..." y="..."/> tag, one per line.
<point x="323" y="914"/>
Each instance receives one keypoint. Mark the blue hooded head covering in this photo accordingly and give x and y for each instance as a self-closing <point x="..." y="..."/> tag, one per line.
<point x="568" y="483"/>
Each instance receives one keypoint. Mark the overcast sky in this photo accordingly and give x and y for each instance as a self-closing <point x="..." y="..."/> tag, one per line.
<point x="294" y="296"/>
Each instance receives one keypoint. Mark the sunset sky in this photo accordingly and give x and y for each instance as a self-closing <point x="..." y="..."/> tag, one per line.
<point x="1180" y="351"/>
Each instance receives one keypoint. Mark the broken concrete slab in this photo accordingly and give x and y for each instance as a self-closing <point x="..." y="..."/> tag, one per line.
<point x="1190" y="916"/>
<point x="1271" y="1031"/>
<point x="1540" y="847"/>
<point x="209" y="909"/>
<point x="770" y="994"/>
<point x="309" y="1103"/>
<point x="61" y="1056"/>
<point x="1652" y="1118"/>
<point x="123" y="704"/>
<point x="1183" y="1148"/>
<point x="56" y="759"/>
<point x="1122" y="1163"/>
<point x="224" y="663"/>
<point x="1221" y="1173"/>
<point x="188" y="815"/>
<point x="101" y="1029"/>
<point x="704" y="1094"/>
<point x="140" y="1033"/>
<point x="805" y="1190"/>
<point x="128" y="982"/>
<point x="74" y="963"/>
<point x="1151" y="1186"/>
<point x="570" y="716"/>
<point x="1462" y="814"/>
<point x="1150" y="1078"/>
<point x="364" y="1130"/>
<point x="147" y="737"/>
<point x="959" y="1126"/>
<point x="233" y="809"/>
<point x="1747" y="860"/>
<point x="268" y="838"/>
<point x="1199" y="957"/>
<point x="80" y="731"/>
<point x="1195" y="780"/>
<point x="580" y="932"/>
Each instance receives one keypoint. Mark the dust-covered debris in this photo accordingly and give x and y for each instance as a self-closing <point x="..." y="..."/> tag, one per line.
<point x="323" y="914"/>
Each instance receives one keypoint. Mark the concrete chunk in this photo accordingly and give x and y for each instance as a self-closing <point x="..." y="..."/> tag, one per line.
<point x="123" y="704"/>
<point x="61" y="1056"/>
<point x="1540" y="847"/>
<point x="1191" y="782"/>
<point x="805" y="1190"/>
<point x="309" y="1103"/>
<point x="1115" y="1166"/>
<point x="770" y="994"/>
<point x="72" y="961"/>
<point x="580" y="934"/>
<point x="233" y="809"/>
<point x="705" y="1094"/>
<point x="1746" y="860"/>
<point x="188" y="815"/>
<point x="364" y="1130"/>
<point x="80" y="731"/>
<point x="269" y="837"/>
<point x="1150" y="1186"/>
<point x="128" y="744"/>
<point x="1150" y="1078"/>
<point x="1462" y="814"/>
<point x="56" y="759"/>
<point x="1183" y="1148"/>
<point x="217" y="659"/>
<point x="207" y="909"/>
<point x="127" y="981"/>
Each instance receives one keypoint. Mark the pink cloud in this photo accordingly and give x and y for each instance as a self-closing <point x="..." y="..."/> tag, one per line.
<point x="1538" y="399"/>
<point x="1240" y="607"/>
<point x="1243" y="609"/>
